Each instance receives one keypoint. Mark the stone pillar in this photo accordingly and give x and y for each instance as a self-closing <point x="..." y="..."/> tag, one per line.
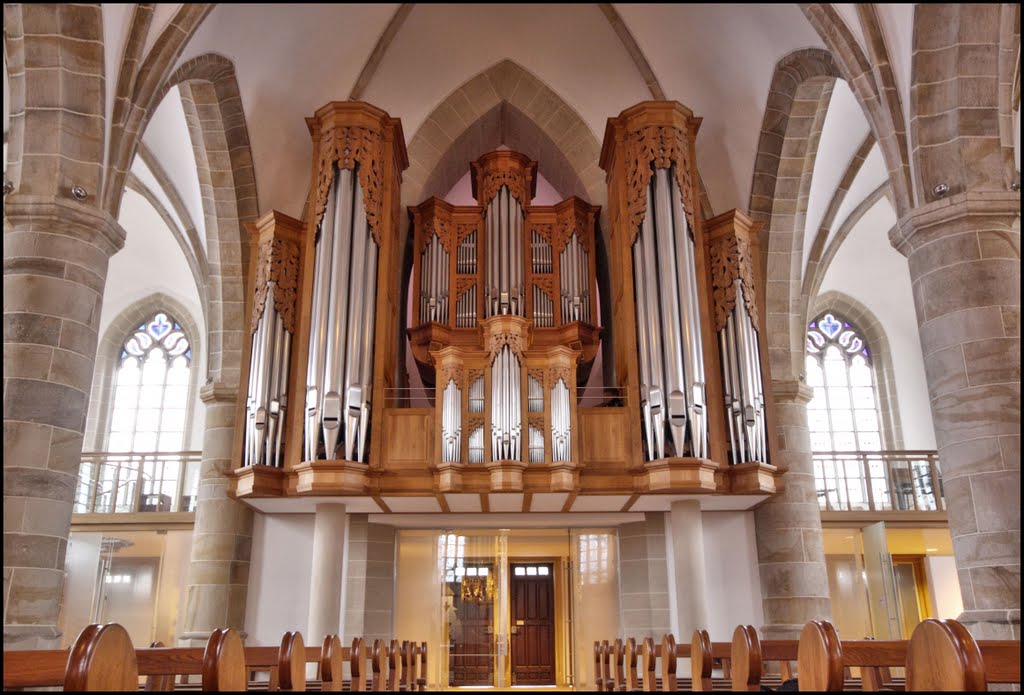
<point x="964" y="257"/>
<point x="369" y="580"/>
<point x="327" y="576"/>
<point x="643" y="578"/>
<point x="218" y="577"/>
<point x="687" y="583"/>
<point x="56" y="253"/>
<point x="790" y="552"/>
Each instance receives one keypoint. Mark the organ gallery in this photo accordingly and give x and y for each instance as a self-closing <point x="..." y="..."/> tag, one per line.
<point x="504" y="322"/>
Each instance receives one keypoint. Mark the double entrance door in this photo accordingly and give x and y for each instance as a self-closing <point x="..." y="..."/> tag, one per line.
<point x="476" y="638"/>
<point x="501" y="614"/>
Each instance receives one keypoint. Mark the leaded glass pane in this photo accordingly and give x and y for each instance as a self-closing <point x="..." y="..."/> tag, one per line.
<point x="844" y="441"/>
<point x="821" y="441"/>
<point x="818" y="420"/>
<point x="867" y="420"/>
<point x="838" y="398"/>
<point x="842" y="421"/>
<point x="863" y="397"/>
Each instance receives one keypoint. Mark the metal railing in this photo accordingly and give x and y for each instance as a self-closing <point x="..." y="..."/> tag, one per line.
<point x="137" y="482"/>
<point x="899" y="481"/>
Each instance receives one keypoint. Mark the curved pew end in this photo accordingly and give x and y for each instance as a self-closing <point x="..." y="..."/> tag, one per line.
<point x="162" y="683"/>
<point x="598" y="681"/>
<point x="394" y="667"/>
<point x="606" y="666"/>
<point x="330" y="664"/>
<point x="701" y="661"/>
<point x="291" y="662"/>
<point x="648" y="656"/>
<point x="224" y="663"/>
<point x="668" y="663"/>
<point x="746" y="662"/>
<point x="379" y="664"/>
<point x="820" y="657"/>
<point x="405" y="651"/>
<point x="942" y="656"/>
<point x="102" y="659"/>
<point x="618" y="655"/>
<point x="421" y="676"/>
<point x="632" y="682"/>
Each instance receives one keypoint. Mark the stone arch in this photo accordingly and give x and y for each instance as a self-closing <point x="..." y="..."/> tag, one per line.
<point x="960" y="124"/>
<point x="101" y="399"/>
<point x="54" y="56"/>
<point x="504" y="81"/>
<point x="790" y="129"/>
<point x="881" y="357"/>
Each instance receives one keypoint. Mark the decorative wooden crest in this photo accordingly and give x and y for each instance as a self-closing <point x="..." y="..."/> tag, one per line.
<point x="497" y="341"/>
<point x="474" y="422"/>
<point x="545" y="283"/>
<point x="462" y="284"/>
<point x="474" y="374"/>
<point x="545" y="230"/>
<point x="537" y="374"/>
<point x="732" y="253"/>
<point x="573" y="219"/>
<point x="662" y="147"/>
<point x="348" y="146"/>
<point x="449" y="372"/>
<point x="437" y="221"/>
<point x="536" y="421"/>
<point x="560" y="371"/>
<point x="462" y="231"/>
<point x="278" y="262"/>
<point x="504" y="168"/>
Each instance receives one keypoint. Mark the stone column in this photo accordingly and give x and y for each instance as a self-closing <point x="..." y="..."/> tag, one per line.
<point x="643" y="578"/>
<point x="687" y="583"/>
<point x="370" y="574"/>
<point x="964" y="257"/>
<point x="327" y="576"/>
<point x="56" y="253"/>
<point x="218" y="577"/>
<point x="790" y="552"/>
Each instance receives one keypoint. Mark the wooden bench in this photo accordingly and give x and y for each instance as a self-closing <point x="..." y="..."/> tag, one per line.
<point x="222" y="665"/>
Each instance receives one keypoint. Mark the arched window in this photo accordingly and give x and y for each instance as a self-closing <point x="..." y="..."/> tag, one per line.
<point x="151" y="388"/>
<point x="843" y="414"/>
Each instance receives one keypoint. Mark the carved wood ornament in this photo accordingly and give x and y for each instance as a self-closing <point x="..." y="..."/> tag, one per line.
<point x="448" y="373"/>
<point x="573" y="222"/>
<point x="561" y="372"/>
<point x="278" y="262"/>
<point x="347" y="147"/>
<point x="499" y="340"/>
<point x="731" y="259"/>
<point x="494" y="180"/>
<point x="663" y="146"/>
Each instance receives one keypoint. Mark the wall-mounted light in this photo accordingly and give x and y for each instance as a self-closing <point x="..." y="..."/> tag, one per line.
<point x="940" y="190"/>
<point x="79" y="193"/>
<point x="8" y="187"/>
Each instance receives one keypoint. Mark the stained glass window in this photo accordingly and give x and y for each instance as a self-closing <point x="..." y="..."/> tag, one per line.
<point x="843" y="413"/>
<point x="151" y="388"/>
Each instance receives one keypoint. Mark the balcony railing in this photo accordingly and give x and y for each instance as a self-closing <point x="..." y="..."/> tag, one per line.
<point x="899" y="481"/>
<point x="137" y="482"/>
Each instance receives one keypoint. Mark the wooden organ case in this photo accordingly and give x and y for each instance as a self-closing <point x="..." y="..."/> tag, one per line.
<point x="505" y="330"/>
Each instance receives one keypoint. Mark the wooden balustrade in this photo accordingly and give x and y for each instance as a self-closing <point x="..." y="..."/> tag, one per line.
<point x="103" y="659"/>
<point x="941" y="655"/>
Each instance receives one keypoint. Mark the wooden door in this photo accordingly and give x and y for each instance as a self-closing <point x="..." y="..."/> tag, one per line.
<point x="532" y="605"/>
<point x="471" y="628"/>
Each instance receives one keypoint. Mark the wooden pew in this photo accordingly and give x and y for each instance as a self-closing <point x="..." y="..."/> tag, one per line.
<point x="102" y="659"/>
<point x="750" y="654"/>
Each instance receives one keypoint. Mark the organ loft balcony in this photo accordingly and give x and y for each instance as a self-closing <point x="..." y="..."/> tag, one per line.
<point x="504" y="328"/>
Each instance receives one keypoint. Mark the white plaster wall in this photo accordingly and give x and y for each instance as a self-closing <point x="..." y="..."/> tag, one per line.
<point x="730" y="566"/>
<point x="943" y="586"/>
<point x="279" y="577"/>
<point x="870" y="270"/>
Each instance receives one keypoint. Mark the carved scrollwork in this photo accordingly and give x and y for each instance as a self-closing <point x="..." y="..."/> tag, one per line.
<point x="730" y="259"/>
<point x="440" y="224"/>
<point x="462" y="284"/>
<point x="462" y="231"/>
<point x="545" y="283"/>
<point x="497" y="341"/>
<point x="474" y="422"/>
<point x="661" y="146"/>
<point x="537" y="374"/>
<point x="494" y="180"/>
<point x="449" y="372"/>
<point x="278" y="262"/>
<point x="545" y="230"/>
<point x="560" y="371"/>
<point x="473" y="374"/>
<point x="573" y="223"/>
<point x="536" y="421"/>
<point x="346" y="147"/>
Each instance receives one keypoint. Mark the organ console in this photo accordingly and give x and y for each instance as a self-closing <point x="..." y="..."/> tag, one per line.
<point x="504" y="327"/>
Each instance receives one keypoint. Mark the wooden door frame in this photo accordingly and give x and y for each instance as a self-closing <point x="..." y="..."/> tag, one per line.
<point x="560" y="616"/>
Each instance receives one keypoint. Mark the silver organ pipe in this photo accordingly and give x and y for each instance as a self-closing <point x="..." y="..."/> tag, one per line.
<point x="465" y="309"/>
<point x="506" y="409"/>
<point x="268" y="384"/>
<point x="467" y="255"/>
<point x="534" y="395"/>
<point x="575" y="281"/>
<point x="434" y="282"/>
<point x="670" y="349"/>
<point x="561" y="438"/>
<point x="341" y="339"/>
<point x="540" y="254"/>
<point x="476" y="396"/>
<point x="543" y="309"/>
<point x="476" y="445"/>
<point x="451" y="422"/>
<point x="504" y="281"/>
<point x="744" y="389"/>
<point x="536" y="445"/>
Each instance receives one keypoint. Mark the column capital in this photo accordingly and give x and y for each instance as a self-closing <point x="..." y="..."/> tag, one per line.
<point x="956" y="214"/>
<point x="791" y="391"/>
<point x="52" y="214"/>
<point x="218" y="392"/>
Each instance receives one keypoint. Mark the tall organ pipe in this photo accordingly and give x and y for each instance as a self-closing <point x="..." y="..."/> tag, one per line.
<point x="506" y="409"/>
<point x="504" y="282"/>
<point x="451" y="422"/>
<point x="341" y="341"/>
<point x="668" y="325"/>
<point x="744" y="393"/>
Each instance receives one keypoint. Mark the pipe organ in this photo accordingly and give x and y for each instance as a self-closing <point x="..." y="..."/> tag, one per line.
<point x="504" y="326"/>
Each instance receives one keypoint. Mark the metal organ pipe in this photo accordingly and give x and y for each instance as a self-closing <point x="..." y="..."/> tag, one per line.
<point x="341" y="340"/>
<point x="668" y="325"/>
<point x="506" y="408"/>
<point x="560" y="422"/>
<point x="744" y="394"/>
<point x="451" y="422"/>
<point x="574" y="261"/>
<point x="504" y="282"/>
